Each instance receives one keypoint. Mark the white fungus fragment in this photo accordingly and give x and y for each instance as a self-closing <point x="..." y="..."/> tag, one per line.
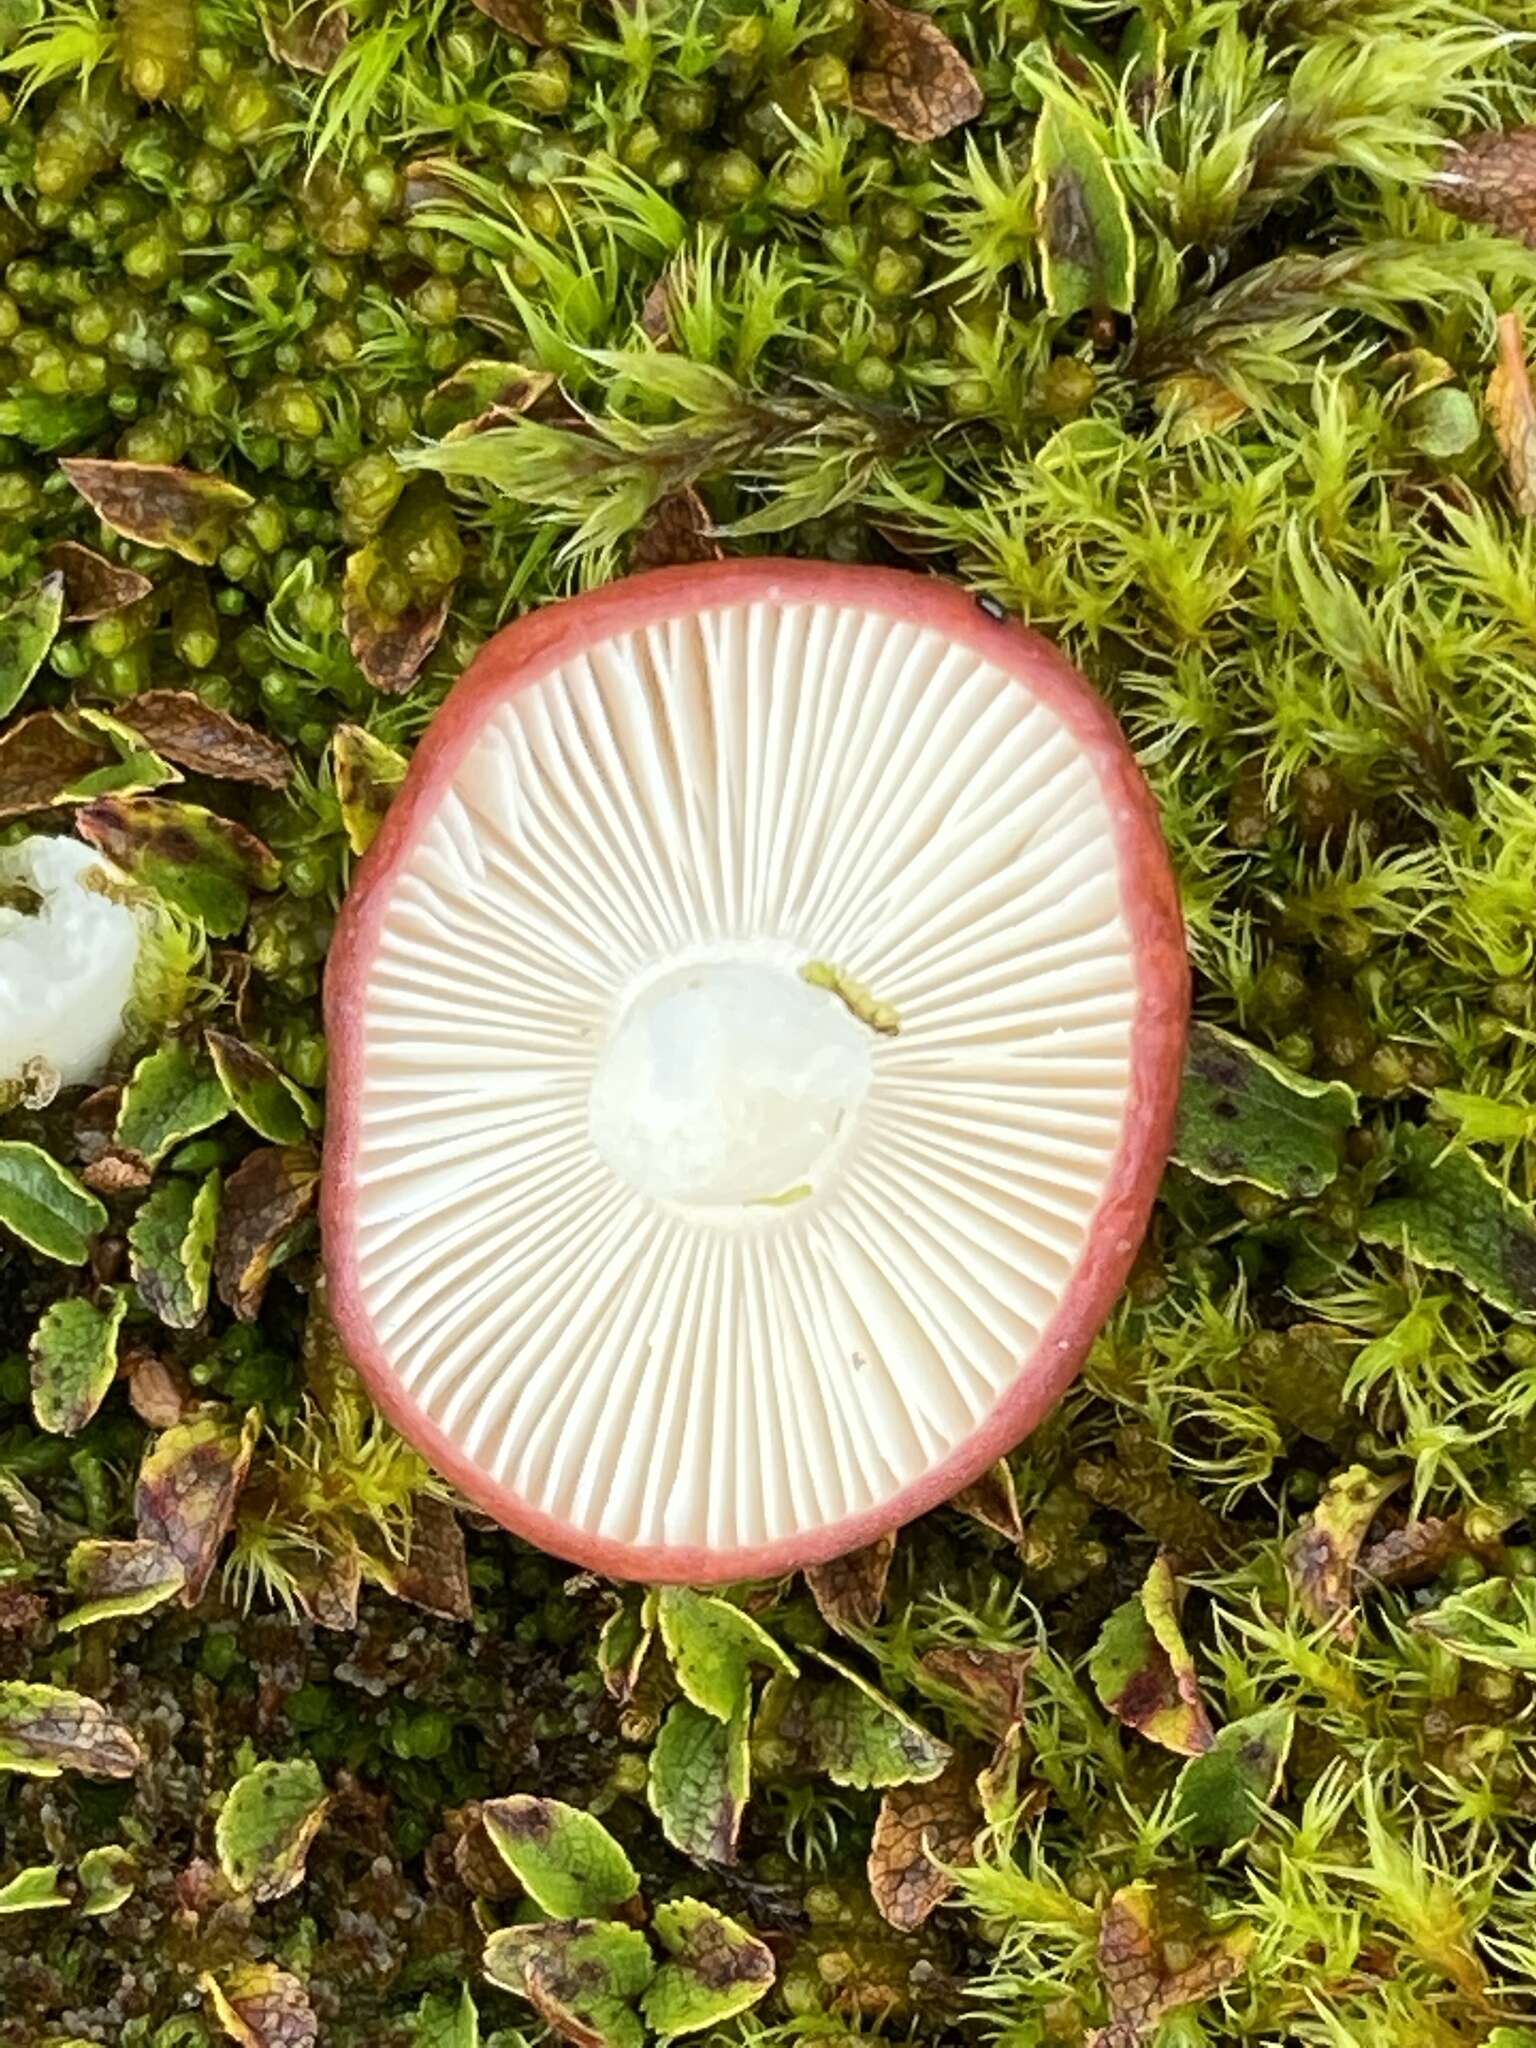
<point x="66" y="962"/>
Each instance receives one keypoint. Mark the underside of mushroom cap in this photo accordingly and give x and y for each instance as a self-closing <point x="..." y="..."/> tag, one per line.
<point x="756" y="1034"/>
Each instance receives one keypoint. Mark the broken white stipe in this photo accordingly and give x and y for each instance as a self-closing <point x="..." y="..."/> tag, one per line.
<point x="651" y="1241"/>
<point x="68" y="954"/>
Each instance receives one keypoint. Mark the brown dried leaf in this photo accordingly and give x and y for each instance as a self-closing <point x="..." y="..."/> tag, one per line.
<point x="1417" y="1552"/>
<point x="1490" y="178"/>
<point x="189" y="1485"/>
<point x="157" y="1391"/>
<point x="267" y="1196"/>
<point x="480" y="1866"/>
<point x="261" y="2006"/>
<point x="1142" y="1669"/>
<point x="676" y="529"/>
<point x="117" y="1173"/>
<point x="1512" y="410"/>
<point x="40" y="757"/>
<point x="991" y="1680"/>
<point x="850" y="1590"/>
<point x="389" y="652"/>
<point x="178" y="724"/>
<point x="917" y="1828"/>
<point x="435" y="1570"/>
<point x="909" y="76"/>
<point x="159" y="505"/>
<point x="523" y="18"/>
<point x="1149" y="1972"/>
<point x="93" y="586"/>
<point x="328" y="1588"/>
<point x="656" y="311"/>
<point x="310" y="37"/>
<point x="484" y="393"/>
<point x="994" y="1502"/>
<point x="44" y="1731"/>
<point x="1320" y="1557"/>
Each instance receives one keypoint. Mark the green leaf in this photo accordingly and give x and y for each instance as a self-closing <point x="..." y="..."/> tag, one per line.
<point x="199" y="862"/>
<point x="713" y="1647"/>
<point x="31" y="1891"/>
<point x="45" y="423"/>
<point x="1087" y="249"/>
<point x="45" y="1206"/>
<point x="1220" y="1795"/>
<point x="116" y="1579"/>
<point x="1142" y="1670"/>
<point x="107" y="1879"/>
<point x="447" y="2019"/>
<point x="564" y="1859"/>
<point x="45" y="1731"/>
<point x="700" y="1781"/>
<point x="717" y="1969"/>
<point x="171" y="1095"/>
<point x="74" y="1360"/>
<point x="1493" y="1624"/>
<point x="1443" y="424"/>
<point x="1455" y="1216"/>
<point x="170" y="1244"/>
<point x="581" y="1976"/>
<point x="274" y="1107"/>
<point x="858" y="1737"/>
<point x="1245" y="1117"/>
<point x="266" y="1825"/>
<point x="27" y="631"/>
<point x="368" y="772"/>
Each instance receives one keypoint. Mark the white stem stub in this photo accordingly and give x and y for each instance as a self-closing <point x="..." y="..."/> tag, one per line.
<point x="728" y="1082"/>
<point x="67" y="958"/>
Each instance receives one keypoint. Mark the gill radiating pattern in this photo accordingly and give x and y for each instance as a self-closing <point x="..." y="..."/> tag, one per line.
<point x="796" y="782"/>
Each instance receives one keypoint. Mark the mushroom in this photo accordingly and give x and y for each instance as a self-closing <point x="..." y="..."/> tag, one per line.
<point x="69" y="954"/>
<point x="756" y="1035"/>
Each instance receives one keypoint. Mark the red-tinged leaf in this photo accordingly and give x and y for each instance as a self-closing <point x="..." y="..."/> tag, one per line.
<point x="269" y="1194"/>
<point x="1416" y="1553"/>
<point x="990" y="1681"/>
<point x="1321" y="1556"/>
<point x="261" y="2006"/>
<point x="94" y="586"/>
<point x="994" y="1502"/>
<point x="45" y="1731"/>
<point x="677" y="528"/>
<point x="1490" y="178"/>
<point x="189" y="1486"/>
<point x="1512" y="411"/>
<point x="308" y="37"/>
<point x="434" y="1573"/>
<point x="1143" y="1672"/>
<point x="524" y="18"/>
<point x="159" y="505"/>
<point x="41" y="756"/>
<point x="179" y="725"/>
<point x="850" y="1591"/>
<point x="203" y="864"/>
<point x="116" y="1579"/>
<point x="918" y="1828"/>
<point x="388" y="649"/>
<point x="909" y="76"/>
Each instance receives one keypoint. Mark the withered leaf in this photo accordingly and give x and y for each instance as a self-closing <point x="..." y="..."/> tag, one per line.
<point x="1143" y="1672"/>
<point x="189" y="1485"/>
<point x="117" y="1173"/>
<point x="1416" y="1553"/>
<point x="328" y="1588"/>
<point x="994" y="1502"/>
<point x="309" y="36"/>
<point x="716" y="1969"/>
<point x="676" y="529"/>
<point x="656" y="311"/>
<point x="41" y="756"/>
<point x="581" y="1977"/>
<point x="479" y="1864"/>
<point x="159" y="505"/>
<point x="1147" y="1973"/>
<point x="1490" y="178"/>
<point x="434" y="1574"/>
<point x="917" y="1828"/>
<point x="991" y="1681"/>
<point x="114" y="1579"/>
<point x="203" y="864"/>
<point x="45" y="1731"/>
<point x="367" y="772"/>
<point x="1321" y="1555"/>
<point x="268" y="1195"/>
<point x="1512" y="411"/>
<point x="261" y="2006"/>
<point x="909" y="76"/>
<point x="389" y="651"/>
<point x="523" y="18"/>
<point x="178" y="724"/>
<point x="157" y="1392"/>
<point x="94" y="586"/>
<point x="850" y="1591"/>
<point x="483" y="393"/>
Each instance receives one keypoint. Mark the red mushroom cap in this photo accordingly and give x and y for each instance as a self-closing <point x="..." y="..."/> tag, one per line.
<point x="917" y="831"/>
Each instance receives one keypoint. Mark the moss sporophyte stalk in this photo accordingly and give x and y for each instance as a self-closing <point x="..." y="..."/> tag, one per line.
<point x="333" y="337"/>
